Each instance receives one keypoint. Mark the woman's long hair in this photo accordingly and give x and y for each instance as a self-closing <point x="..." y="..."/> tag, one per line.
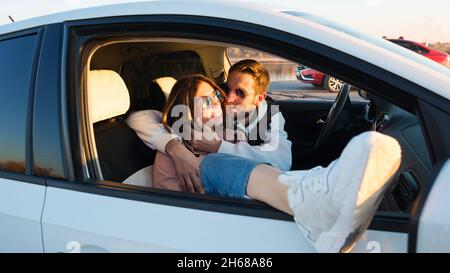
<point x="183" y="93"/>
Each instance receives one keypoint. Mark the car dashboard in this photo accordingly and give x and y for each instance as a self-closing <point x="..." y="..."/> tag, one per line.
<point x="416" y="165"/>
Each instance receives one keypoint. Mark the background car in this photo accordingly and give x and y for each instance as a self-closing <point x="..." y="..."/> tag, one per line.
<point x="433" y="54"/>
<point x="332" y="84"/>
<point x="317" y="78"/>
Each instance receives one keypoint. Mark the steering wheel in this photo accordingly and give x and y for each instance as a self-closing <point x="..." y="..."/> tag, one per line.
<point x="332" y="118"/>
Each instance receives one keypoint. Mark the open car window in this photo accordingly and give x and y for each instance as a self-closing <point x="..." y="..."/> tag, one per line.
<point x="123" y="156"/>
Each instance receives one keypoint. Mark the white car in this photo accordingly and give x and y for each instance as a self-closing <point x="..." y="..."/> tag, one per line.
<point x="75" y="178"/>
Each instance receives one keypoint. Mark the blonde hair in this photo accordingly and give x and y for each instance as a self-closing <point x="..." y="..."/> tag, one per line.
<point x="256" y="70"/>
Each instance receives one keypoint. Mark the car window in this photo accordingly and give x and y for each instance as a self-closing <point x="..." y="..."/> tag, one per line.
<point x="408" y="45"/>
<point x="292" y="81"/>
<point x="422" y="50"/>
<point x="17" y="56"/>
<point x="412" y="46"/>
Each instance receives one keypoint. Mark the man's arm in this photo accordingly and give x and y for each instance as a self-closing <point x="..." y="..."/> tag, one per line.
<point x="276" y="150"/>
<point x="147" y="125"/>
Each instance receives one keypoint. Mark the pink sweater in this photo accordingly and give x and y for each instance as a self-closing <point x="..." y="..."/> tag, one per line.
<point x="165" y="175"/>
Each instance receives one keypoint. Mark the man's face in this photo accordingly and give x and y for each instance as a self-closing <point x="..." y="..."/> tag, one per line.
<point x="241" y="93"/>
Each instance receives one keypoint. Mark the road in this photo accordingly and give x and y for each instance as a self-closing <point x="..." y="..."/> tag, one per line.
<point x="298" y="90"/>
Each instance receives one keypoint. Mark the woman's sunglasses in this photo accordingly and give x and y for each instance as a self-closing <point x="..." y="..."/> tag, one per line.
<point x="214" y="99"/>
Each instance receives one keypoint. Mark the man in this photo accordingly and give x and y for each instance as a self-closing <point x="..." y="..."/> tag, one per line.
<point x="261" y="136"/>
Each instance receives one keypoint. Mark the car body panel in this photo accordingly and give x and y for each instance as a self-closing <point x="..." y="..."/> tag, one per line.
<point x="106" y="223"/>
<point x="434" y="224"/>
<point x="97" y="223"/>
<point x="21" y="206"/>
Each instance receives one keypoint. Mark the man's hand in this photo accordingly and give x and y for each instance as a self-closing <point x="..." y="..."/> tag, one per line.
<point x="187" y="166"/>
<point x="206" y="146"/>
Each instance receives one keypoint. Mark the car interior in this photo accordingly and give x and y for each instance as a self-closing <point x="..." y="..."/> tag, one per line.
<point x="129" y="76"/>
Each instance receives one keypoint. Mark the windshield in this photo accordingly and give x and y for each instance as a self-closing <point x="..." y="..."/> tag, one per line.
<point x="371" y="39"/>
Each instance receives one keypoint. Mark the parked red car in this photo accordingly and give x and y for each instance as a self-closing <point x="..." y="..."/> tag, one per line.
<point x="317" y="78"/>
<point x="433" y="54"/>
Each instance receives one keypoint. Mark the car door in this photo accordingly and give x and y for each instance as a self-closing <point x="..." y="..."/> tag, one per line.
<point x="83" y="214"/>
<point x="433" y="231"/>
<point x="21" y="205"/>
<point x="21" y="193"/>
<point x="98" y="222"/>
<point x="102" y="218"/>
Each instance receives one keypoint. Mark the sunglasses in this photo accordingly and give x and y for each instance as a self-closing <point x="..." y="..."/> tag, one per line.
<point x="241" y="93"/>
<point x="238" y="91"/>
<point x="214" y="99"/>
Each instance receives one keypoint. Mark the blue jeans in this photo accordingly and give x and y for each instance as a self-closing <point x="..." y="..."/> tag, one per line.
<point x="226" y="175"/>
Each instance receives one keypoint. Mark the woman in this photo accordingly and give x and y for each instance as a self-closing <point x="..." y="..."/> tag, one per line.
<point x="187" y="95"/>
<point x="332" y="206"/>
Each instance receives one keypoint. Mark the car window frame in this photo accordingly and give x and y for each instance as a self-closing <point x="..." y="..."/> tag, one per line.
<point x="28" y="175"/>
<point x="84" y="31"/>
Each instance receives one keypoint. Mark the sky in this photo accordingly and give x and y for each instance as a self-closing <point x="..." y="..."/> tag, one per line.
<point x="419" y="20"/>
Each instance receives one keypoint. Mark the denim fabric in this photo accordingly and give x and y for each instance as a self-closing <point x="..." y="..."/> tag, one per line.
<point x="226" y="175"/>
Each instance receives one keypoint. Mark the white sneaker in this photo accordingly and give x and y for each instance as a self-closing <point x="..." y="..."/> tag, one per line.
<point x="333" y="206"/>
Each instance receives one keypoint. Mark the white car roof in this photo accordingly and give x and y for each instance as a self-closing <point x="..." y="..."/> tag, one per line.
<point x="422" y="71"/>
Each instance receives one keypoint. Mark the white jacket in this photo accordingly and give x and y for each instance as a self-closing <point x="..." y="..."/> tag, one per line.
<point x="276" y="149"/>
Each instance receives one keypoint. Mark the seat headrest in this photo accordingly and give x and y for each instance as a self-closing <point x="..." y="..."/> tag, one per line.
<point x="166" y="84"/>
<point x="108" y="95"/>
